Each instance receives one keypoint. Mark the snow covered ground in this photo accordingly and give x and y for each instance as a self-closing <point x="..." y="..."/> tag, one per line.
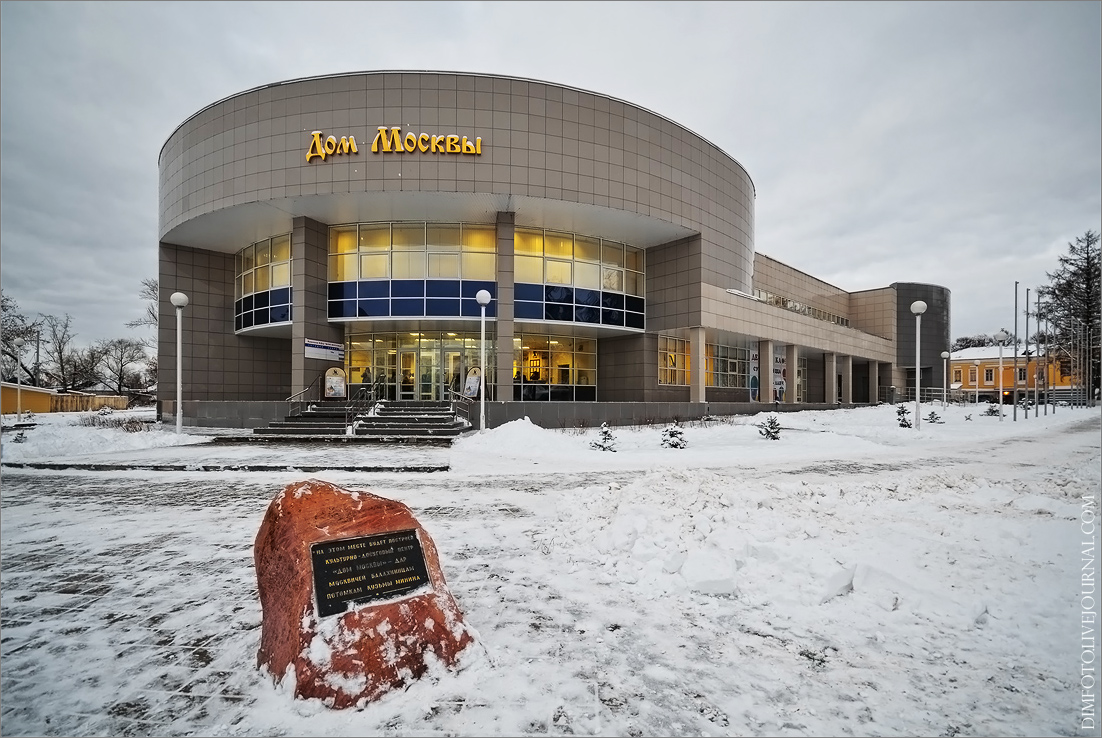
<point x="850" y="578"/>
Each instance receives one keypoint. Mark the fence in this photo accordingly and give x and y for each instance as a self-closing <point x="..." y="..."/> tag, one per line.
<point x="67" y="403"/>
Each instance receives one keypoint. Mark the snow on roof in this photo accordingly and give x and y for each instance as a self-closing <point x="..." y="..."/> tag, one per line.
<point x="992" y="352"/>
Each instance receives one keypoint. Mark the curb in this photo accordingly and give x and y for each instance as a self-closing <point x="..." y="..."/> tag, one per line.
<point x="223" y="467"/>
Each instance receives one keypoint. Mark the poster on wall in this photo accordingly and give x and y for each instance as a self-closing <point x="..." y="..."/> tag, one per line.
<point x="324" y="350"/>
<point x="335" y="385"/>
<point x="780" y="377"/>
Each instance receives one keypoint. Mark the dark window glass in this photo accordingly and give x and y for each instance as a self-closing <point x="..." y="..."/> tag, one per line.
<point x="281" y="314"/>
<point x="612" y="300"/>
<point x="247" y="320"/>
<point x="587" y="314"/>
<point x="635" y="304"/>
<point x="472" y="309"/>
<point x="530" y="292"/>
<point x="237" y="323"/>
<point x="246" y="304"/>
<point x="634" y="320"/>
<point x="587" y="297"/>
<point x="553" y="311"/>
<point x="528" y="310"/>
<point x="282" y="296"/>
<point x="237" y="308"/>
<point x="562" y="393"/>
<point x="407" y="288"/>
<point x="407" y="306"/>
<point x="440" y="306"/>
<point x="442" y="288"/>
<point x="261" y="317"/>
<point x="559" y="294"/>
<point x="342" y="308"/>
<point x="612" y="317"/>
<point x="585" y="394"/>
<point x="471" y="287"/>
<point x="517" y="394"/>
<point x="260" y="300"/>
<point x="374" y="308"/>
<point x="375" y="288"/>
<point x="342" y="290"/>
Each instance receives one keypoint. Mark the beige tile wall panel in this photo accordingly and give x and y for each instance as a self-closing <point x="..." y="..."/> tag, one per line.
<point x="780" y="279"/>
<point x="559" y="157"/>
<point x="735" y="314"/>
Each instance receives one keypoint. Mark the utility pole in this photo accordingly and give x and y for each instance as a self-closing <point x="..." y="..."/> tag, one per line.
<point x="1015" y="418"/>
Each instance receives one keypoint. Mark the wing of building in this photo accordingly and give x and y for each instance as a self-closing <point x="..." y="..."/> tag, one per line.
<point x="349" y="221"/>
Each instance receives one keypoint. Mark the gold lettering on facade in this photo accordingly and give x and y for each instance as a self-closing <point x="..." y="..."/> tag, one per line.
<point x="391" y="140"/>
<point x="453" y="144"/>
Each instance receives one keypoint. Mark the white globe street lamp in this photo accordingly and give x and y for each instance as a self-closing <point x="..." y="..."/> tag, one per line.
<point x="19" y="342"/>
<point x="1000" y="337"/>
<point x="483" y="299"/>
<point x="918" y="307"/>
<point x="179" y="301"/>
<point x="944" y="379"/>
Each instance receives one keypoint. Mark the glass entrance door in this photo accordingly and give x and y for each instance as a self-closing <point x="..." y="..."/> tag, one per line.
<point x="452" y="378"/>
<point x="407" y="388"/>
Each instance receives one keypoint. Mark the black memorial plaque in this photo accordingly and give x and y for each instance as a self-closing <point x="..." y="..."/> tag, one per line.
<point x="367" y="568"/>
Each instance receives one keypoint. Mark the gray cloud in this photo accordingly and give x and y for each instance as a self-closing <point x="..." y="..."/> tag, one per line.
<point x="952" y="143"/>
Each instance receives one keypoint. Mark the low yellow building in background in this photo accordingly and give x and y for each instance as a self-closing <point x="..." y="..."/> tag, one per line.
<point x="40" y="400"/>
<point x="976" y="370"/>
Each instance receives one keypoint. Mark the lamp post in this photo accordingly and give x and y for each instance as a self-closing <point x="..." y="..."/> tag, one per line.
<point x="18" y="343"/>
<point x="1000" y="337"/>
<point x="918" y="307"/>
<point x="944" y="379"/>
<point x="977" y="363"/>
<point x="483" y="299"/>
<point x="179" y="301"/>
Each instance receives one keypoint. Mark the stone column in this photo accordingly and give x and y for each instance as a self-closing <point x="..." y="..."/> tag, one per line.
<point x="874" y="382"/>
<point x="830" y="377"/>
<point x="765" y="371"/>
<point x="310" y="308"/>
<point x="847" y="380"/>
<point x="791" y="365"/>
<point x="503" y="333"/>
<point x="696" y="364"/>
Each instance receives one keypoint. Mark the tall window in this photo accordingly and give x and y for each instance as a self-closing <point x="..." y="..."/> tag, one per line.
<point x="673" y="361"/>
<point x="988" y="376"/>
<point x="726" y="366"/>
<point x="417" y="250"/>
<point x="551" y="257"/>
<point x="956" y="376"/>
<point x="263" y="266"/>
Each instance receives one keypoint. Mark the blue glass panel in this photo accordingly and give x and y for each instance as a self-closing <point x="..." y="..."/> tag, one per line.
<point x="375" y="288"/>
<point x="471" y="309"/>
<point x="246" y="304"/>
<point x="612" y="317"/>
<point x="342" y="308"/>
<point x="261" y="317"/>
<point x="557" y="293"/>
<point x="442" y="288"/>
<point x="342" y="290"/>
<point x="260" y="300"/>
<point x="237" y="323"/>
<point x="612" y="300"/>
<point x="407" y="306"/>
<point x="528" y="310"/>
<point x="470" y="288"/>
<point x="441" y="306"/>
<point x="587" y="297"/>
<point x="635" y="304"/>
<point x="530" y="292"/>
<point x="407" y="288"/>
<point x="374" y="308"/>
<point x="281" y="314"/>
<point x="585" y="394"/>
<point x="281" y="296"/>
<point x="554" y="311"/>
<point x="634" y="320"/>
<point x="247" y="320"/>
<point x="562" y="393"/>
<point x="587" y="314"/>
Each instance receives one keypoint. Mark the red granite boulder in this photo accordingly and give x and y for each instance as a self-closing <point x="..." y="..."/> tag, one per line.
<point x="324" y="549"/>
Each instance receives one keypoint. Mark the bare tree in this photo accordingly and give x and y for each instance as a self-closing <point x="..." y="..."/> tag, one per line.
<point x="118" y="367"/>
<point x="69" y="367"/>
<point x="151" y="293"/>
<point x="13" y="325"/>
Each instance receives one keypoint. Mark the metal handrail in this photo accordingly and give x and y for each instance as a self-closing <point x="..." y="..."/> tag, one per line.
<point x="461" y="405"/>
<point x="294" y="407"/>
<point x="362" y="399"/>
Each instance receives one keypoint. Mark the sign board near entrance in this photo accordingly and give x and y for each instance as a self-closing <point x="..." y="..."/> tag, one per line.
<point x="335" y="383"/>
<point x="324" y="350"/>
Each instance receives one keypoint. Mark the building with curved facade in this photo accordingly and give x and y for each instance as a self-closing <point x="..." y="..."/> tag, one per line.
<point x="349" y="221"/>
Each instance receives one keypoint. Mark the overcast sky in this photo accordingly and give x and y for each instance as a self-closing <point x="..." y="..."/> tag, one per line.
<point x="950" y="143"/>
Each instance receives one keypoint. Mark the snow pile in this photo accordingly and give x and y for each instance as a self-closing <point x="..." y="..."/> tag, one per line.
<point x="59" y="436"/>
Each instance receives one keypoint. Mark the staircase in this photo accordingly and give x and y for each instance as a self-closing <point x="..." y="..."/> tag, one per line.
<point x="388" y="421"/>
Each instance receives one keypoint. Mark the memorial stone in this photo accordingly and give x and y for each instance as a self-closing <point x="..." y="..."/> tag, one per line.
<point x="354" y="600"/>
